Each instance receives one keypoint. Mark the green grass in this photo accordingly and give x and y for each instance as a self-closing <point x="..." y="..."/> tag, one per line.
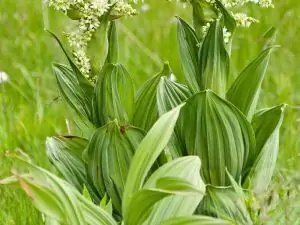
<point x="29" y="113"/>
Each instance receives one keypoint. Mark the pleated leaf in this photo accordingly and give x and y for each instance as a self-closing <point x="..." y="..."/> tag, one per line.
<point x="71" y="90"/>
<point x="59" y="200"/>
<point x="108" y="158"/>
<point x="219" y="134"/>
<point x="196" y="220"/>
<point x="180" y="175"/>
<point x="266" y="125"/>
<point x="143" y="201"/>
<point x="146" y="112"/>
<point x="225" y="203"/>
<point x="65" y="153"/>
<point x="188" y="51"/>
<point x="214" y="60"/>
<point x="148" y="151"/>
<point x="169" y="95"/>
<point x="85" y="85"/>
<point x="244" y="92"/>
<point x="114" y="95"/>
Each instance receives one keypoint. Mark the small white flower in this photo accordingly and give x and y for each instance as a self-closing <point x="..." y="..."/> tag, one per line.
<point x="3" y="77"/>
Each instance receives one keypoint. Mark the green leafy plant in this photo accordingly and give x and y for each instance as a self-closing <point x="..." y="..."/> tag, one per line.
<point x="139" y="159"/>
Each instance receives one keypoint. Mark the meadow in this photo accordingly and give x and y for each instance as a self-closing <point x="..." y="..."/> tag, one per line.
<point x="31" y="108"/>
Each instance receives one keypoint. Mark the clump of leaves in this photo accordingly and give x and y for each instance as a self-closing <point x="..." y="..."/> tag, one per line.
<point x="142" y="150"/>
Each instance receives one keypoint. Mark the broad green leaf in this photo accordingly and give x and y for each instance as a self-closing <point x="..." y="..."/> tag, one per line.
<point x="169" y="95"/>
<point x="180" y="175"/>
<point x="225" y="203"/>
<point x="66" y="155"/>
<point x="108" y="158"/>
<point x="58" y="199"/>
<point x="114" y="95"/>
<point x="97" y="47"/>
<point x="113" y="52"/>
<point x="86" y="86"/>
<point x="72" y="91"/>
<point x="244" y="92"/>
<point x="148" y="151"/>
<point x="219" y="134"/>
<point x="266" y="125"/>
<point x="146" y="112"/>
<point x="188" y="50"/>
<point x="196" y="220"/>
<point x="214" y="60"/>
<point x="141" y="204"/>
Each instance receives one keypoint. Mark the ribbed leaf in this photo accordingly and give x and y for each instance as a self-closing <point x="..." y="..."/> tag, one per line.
<point x="148" y="151"/>
<point x="66" y="155"/>
<point x="114" y="95"/>
<point x="196" y="220"/>
<point x="219" y="134"/>
<point x="72" y="91"/>
<point x="214" y="60"/>
<point x="113" y="52"/>
<point x="58" y="199"/>
<point x="245" y="90"/>
<point x="188" y="50"/>
<point x="266" y="125"/>
<point x="108" y="158"/>
<point x="225" y="203"/>
<point x="146" y="112"/>
<point x="169" y="95"/>
<point x="86" y="86"/>
<point x="180" y="175"/>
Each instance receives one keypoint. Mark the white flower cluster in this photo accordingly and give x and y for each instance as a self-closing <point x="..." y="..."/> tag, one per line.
<point x="88" y="13"/>
<point x="233" y="3"/>
<point x="241" y="18"/>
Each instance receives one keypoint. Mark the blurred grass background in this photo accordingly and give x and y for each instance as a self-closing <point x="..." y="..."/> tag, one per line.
<point x="29" y="112"/>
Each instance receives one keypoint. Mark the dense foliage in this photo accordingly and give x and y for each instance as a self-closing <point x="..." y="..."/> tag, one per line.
<point x="170" y="153"/>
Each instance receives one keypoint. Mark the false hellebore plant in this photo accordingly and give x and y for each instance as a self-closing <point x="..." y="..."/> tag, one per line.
<point x="139" y="161"/>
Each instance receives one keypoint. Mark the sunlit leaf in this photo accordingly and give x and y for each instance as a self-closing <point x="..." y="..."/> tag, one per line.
<point x="148" y="151"/>
<point x="196" y="220"/>
<point x="225" y="203"/>
<point x="59" y="200"/>
<point x="181" y="177"/>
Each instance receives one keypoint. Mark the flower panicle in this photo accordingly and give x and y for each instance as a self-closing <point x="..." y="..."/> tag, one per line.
<point x="88" y="14"/>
